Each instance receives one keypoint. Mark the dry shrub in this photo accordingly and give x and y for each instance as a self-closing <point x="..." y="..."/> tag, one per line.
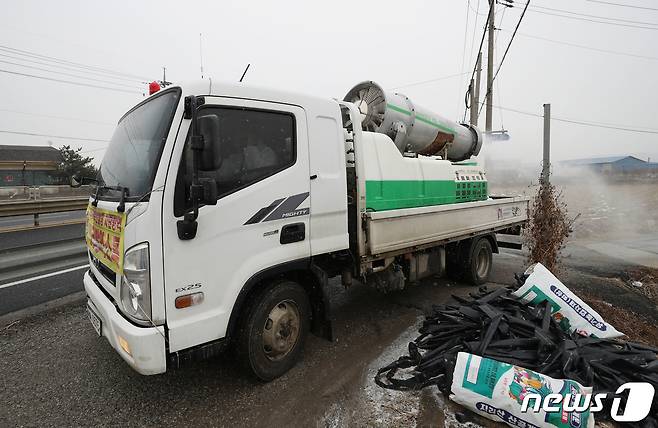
<point x="548" y="226"/>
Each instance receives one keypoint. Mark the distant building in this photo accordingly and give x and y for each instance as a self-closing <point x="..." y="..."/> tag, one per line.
<point x="613" y="165"/>
<point x="27" y="165"/>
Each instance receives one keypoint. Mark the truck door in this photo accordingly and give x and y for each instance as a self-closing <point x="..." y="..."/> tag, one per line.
<point x="261" y="218"/>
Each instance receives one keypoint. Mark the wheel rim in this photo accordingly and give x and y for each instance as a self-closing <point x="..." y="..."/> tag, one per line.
<point x="281" y="330"/>
<point x="482" y="260"/>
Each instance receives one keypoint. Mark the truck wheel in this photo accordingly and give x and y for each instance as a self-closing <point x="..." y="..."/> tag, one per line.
<point x="274" y="329"/>
<point x="477" y="266"/>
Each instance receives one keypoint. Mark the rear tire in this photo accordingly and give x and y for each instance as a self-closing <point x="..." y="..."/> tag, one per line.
<point x="477" y="265"/>
<point x="274" y="329"/>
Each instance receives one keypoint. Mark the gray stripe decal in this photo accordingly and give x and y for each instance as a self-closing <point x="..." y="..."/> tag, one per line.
<point x="264" y="211"/>
<point x="288" y="207"/>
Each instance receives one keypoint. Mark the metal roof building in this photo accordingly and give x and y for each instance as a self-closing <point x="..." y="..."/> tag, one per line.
<point x="612" y="164"/>
<point x="27" y="165"/>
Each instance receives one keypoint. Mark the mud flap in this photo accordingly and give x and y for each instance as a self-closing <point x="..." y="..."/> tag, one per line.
<point x="322" y="325"/>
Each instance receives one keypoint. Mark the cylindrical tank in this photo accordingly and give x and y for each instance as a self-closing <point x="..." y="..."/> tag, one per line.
<point x="412" y="127"/>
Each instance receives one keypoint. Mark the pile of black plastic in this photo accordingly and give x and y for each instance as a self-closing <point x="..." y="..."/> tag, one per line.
<point x="496" y="325"/>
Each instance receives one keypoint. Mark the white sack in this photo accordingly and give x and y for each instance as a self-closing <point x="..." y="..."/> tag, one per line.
<point x="571" y="313"/>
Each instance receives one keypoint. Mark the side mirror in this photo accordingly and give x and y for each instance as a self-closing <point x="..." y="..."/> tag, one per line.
<point x="203" y="193"/>
<point x="187" y="227"/>
<point x="209" y="156"/>
<point x="76" y="181"/>
<point x="204" y="158"/>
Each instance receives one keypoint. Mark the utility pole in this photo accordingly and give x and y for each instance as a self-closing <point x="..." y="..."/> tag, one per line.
<point x="474" y="111"/>
<point x="546" y="162"/>
<point x="475" y="92"/>
<point x="490" y="65"/>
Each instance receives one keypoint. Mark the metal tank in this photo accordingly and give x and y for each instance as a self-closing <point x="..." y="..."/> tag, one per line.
<point x="412" y="127"/>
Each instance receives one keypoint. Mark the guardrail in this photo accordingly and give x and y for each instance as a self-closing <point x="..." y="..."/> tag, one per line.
<point x="25" y="193"/>
<point x="43" y="206"/>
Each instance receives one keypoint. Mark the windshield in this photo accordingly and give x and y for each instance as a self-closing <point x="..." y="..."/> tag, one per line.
<point x="134" y="151"/>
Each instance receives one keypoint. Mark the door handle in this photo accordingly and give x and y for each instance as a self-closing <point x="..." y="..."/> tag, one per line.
<point x="294" y="232"/>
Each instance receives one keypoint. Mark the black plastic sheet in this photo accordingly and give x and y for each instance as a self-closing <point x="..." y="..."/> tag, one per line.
<point x="494" y="324"/>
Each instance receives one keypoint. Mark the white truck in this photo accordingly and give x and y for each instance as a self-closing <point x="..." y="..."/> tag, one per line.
<point x="222" y="210"/>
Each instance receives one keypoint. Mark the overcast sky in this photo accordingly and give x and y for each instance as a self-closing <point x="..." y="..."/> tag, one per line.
<point x="324" y="48"/>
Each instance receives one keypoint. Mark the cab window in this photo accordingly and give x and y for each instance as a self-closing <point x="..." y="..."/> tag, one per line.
<point x="245" y="146"/>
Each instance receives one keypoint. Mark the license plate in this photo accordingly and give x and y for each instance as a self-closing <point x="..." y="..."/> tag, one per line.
<point x="95" y="320"/>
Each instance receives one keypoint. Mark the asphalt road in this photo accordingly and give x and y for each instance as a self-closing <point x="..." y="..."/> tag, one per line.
<point x="51" y="285"/>
<point x="23" y="238"/>
<point x="44" y="219"/>
<point x="57" y="372"/>
<point x="38" y="283"/>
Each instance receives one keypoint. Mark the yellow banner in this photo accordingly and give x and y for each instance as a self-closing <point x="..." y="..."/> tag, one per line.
<point x="104" y="235"/>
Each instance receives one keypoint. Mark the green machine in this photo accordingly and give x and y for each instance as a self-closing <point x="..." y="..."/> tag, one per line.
<point x="415" y="157"/>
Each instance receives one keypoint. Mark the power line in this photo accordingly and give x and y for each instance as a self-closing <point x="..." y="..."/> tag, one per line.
<point x="64" y="61"/>
<point x="66" y="74"/>
<point x="68" y="81"/>
<point x="586" y="47"/>
<point x="484" y="33"/>
<point x="518" y="24"/>
<point x="57" y="117"/>
<point x="62" y="41"/>
<point x="581" y="122"/>
<point x="622" y="5"/>
<point x="34" y="134"/>
<point x="468" y="14"/>
<point x="93" y="150"/>
<point x="497" y="82"/>
<point x="57" y="65"/>
<point x="607" y="126"/>
<point x="477" y="11"/>
<point x="593" y="20"/>
<point x="431" y="80"/>
<point x="470" y="54"/>
<point x="475" y="24"/>
<point x="593" y="16"/>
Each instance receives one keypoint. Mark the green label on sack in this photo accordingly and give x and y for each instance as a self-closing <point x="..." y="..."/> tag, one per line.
<point x="482" y="375"/>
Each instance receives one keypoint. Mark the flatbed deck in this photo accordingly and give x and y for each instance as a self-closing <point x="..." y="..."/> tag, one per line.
<point x="412" y="228"/>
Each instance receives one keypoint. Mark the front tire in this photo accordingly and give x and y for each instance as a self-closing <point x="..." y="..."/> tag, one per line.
<point x="274" y="329"/>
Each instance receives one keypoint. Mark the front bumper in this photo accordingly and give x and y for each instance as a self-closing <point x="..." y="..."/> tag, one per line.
<point x="145" y="346"/>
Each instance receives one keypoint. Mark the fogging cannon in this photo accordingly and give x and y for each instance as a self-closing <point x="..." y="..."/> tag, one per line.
<point x="412" y="127"/>
<point x="413" y="157"/>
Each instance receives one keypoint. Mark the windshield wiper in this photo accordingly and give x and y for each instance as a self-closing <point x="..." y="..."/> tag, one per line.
<point x="122" y="200"/>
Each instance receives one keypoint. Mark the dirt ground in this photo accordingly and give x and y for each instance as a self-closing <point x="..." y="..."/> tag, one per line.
<point x="57" y="373"/>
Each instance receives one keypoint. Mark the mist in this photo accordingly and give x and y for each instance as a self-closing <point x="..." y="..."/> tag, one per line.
<point x="604" y="207"/>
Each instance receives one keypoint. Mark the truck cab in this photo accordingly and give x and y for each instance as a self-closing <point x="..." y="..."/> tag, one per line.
<point x="278" y="162"/>
<point x="222" y="209"/>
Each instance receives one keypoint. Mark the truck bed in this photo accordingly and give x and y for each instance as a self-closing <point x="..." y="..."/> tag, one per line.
<point x="393" y="230"/>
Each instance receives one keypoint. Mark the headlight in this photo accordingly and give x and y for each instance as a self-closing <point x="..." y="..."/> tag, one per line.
<point x="135" y="289"/>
